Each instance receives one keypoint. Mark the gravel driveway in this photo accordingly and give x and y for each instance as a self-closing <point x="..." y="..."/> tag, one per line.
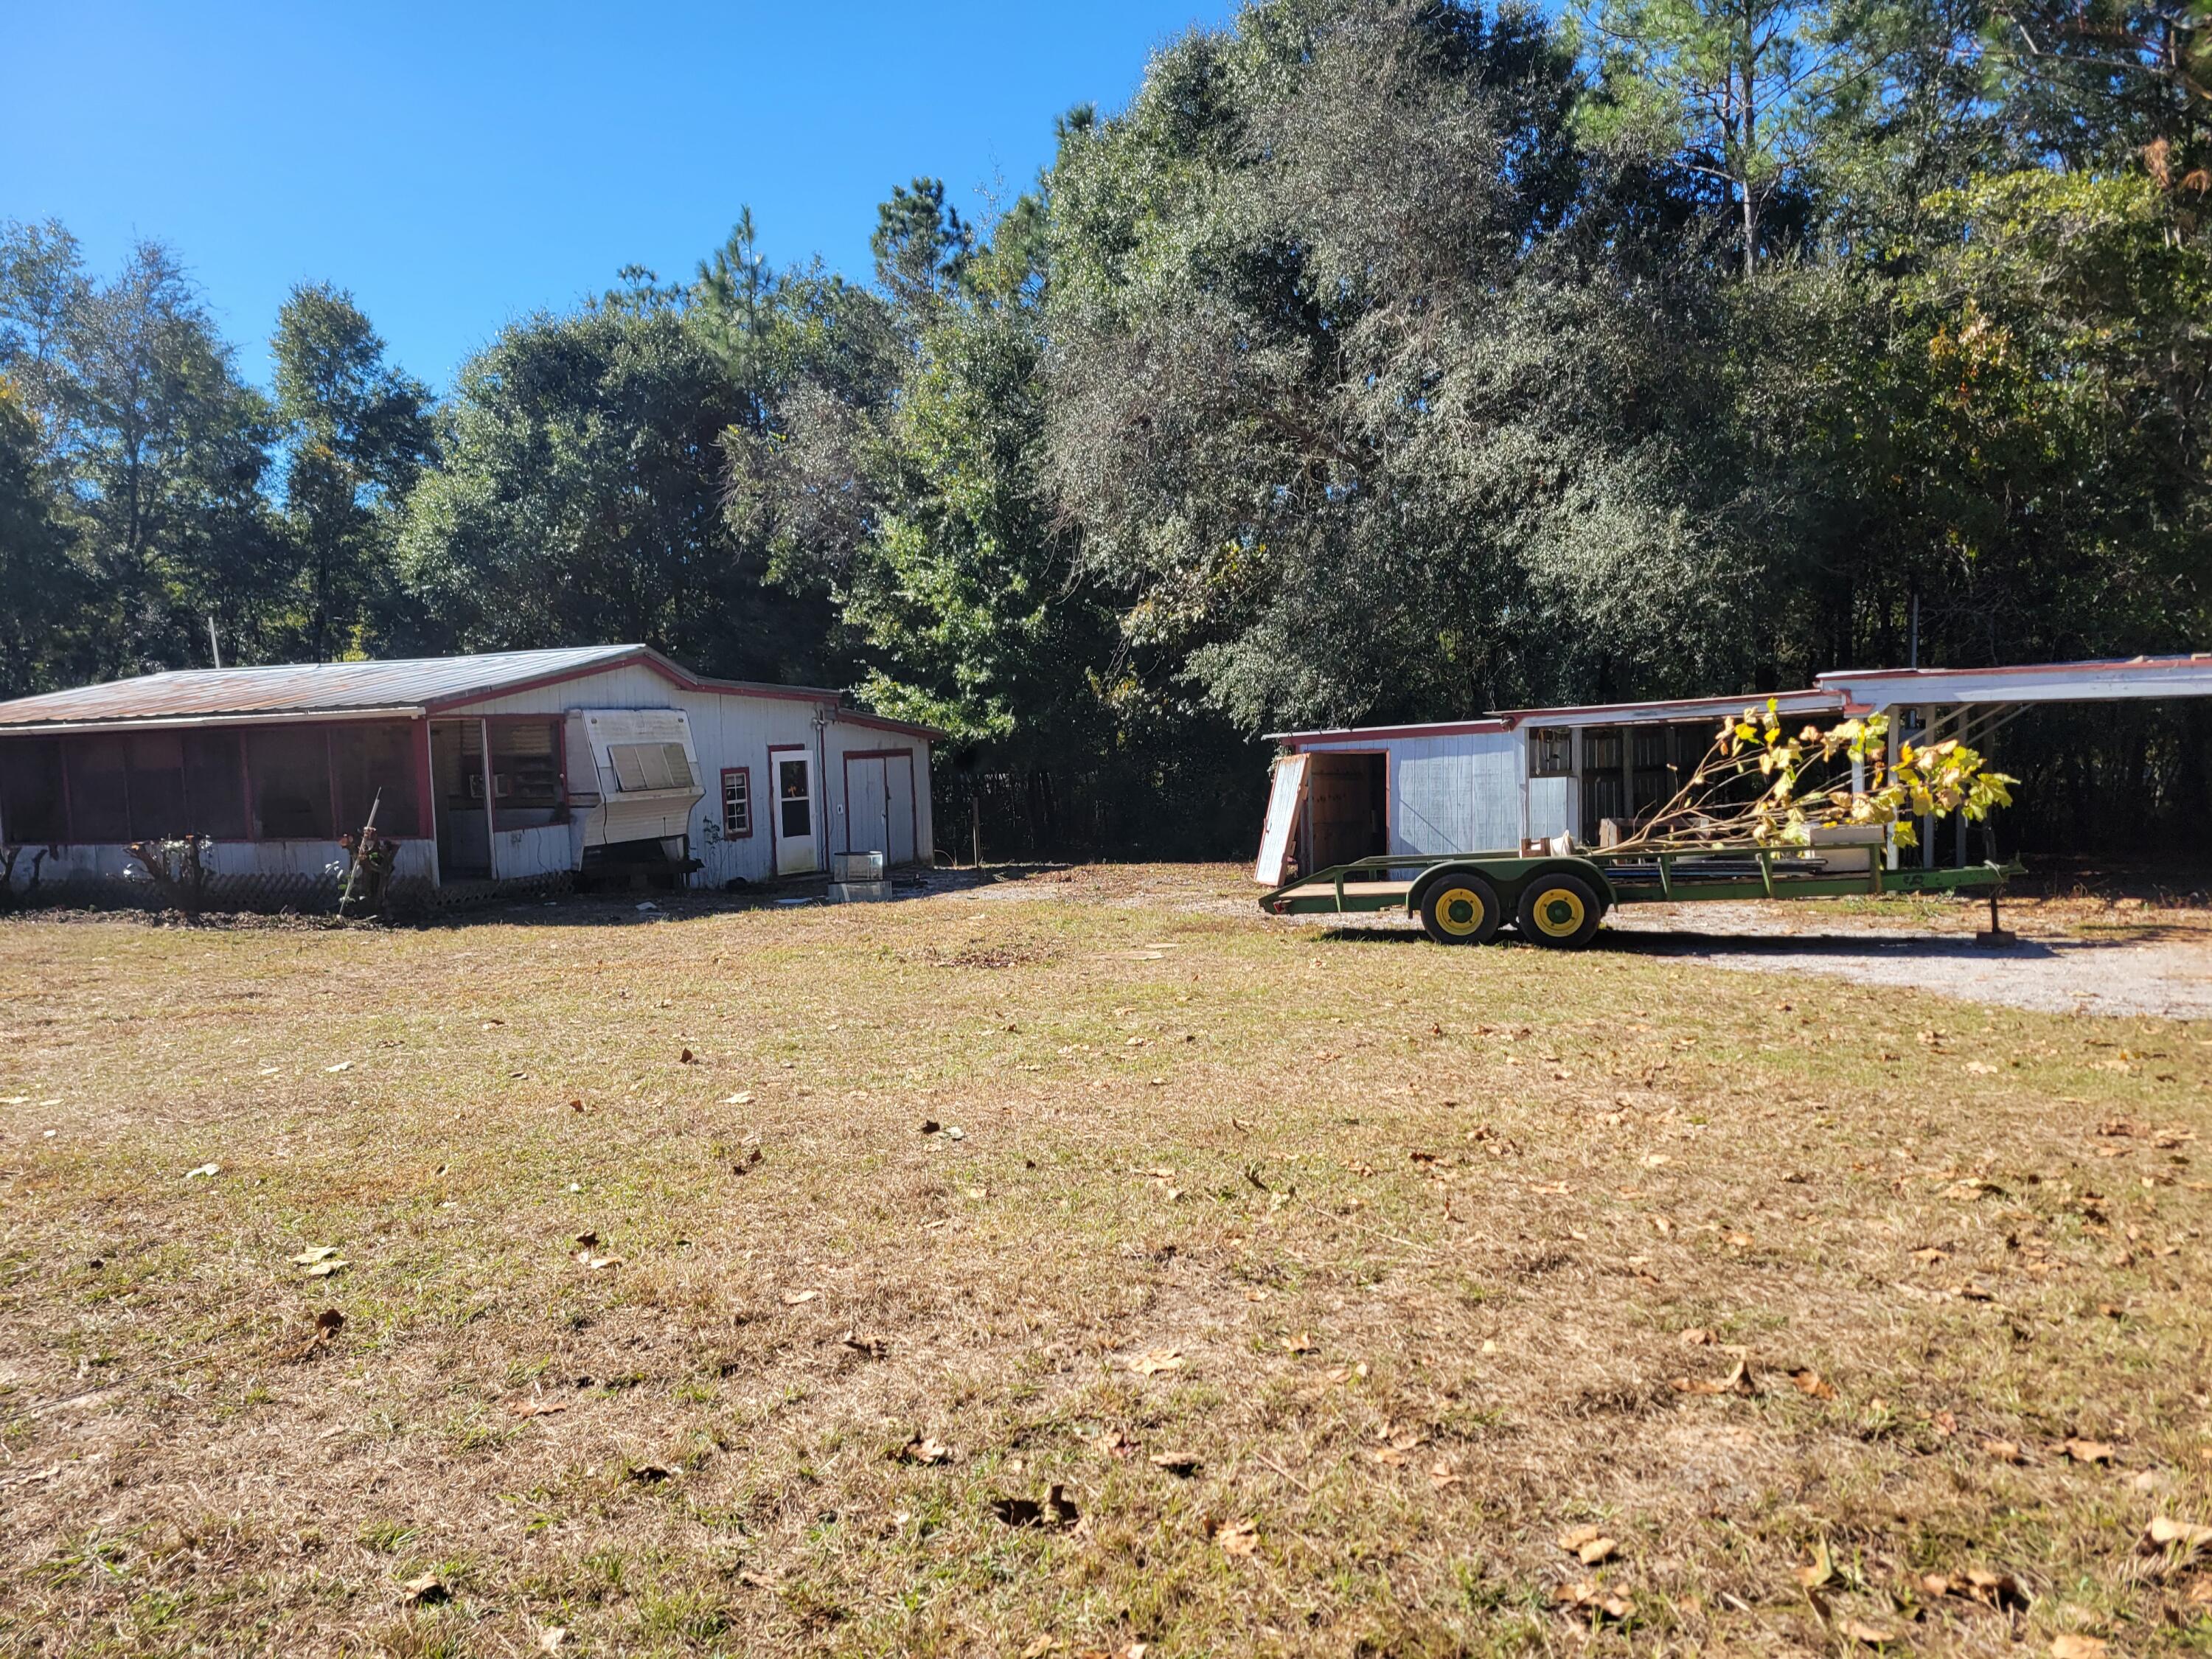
<point x="2159" y="970"/>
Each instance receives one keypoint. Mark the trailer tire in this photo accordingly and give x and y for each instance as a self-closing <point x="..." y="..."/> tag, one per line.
<point x="1558" y="911"/>
<point x="1461" y="908"/>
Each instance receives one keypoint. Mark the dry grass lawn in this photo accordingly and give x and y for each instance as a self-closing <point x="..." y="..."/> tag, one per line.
<point x="1330" y="1279"/>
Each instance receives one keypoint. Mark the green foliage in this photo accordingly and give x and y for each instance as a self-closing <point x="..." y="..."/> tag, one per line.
<point x="358" y="433"/>
<point x="153" y="450"/>
<point x="1381" y="360"/>
<point x="581" y="497"/>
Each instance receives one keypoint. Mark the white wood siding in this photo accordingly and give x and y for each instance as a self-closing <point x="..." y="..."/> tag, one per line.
<point x="730" y="729"/>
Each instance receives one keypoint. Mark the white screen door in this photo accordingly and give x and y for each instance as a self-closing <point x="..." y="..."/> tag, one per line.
<point x="1288" y="795"/>
<point x="791" y="774"/>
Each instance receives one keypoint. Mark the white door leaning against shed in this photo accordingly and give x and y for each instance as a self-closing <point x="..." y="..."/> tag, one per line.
<point x="792" y="796"/>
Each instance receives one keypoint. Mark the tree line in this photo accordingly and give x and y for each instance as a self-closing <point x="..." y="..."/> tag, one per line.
<point x="1382" y="359"/>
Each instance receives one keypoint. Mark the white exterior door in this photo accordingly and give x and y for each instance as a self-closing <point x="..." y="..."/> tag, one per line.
<point x="794" y="802"/>
<point x="898" y="808"/>
<point x="865" y="797"/>
<point x="879" y="806"/>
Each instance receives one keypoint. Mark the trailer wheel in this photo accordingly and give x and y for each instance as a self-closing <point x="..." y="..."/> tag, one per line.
<point x="1558" y="911"/>
<point x="1460" y="910"/>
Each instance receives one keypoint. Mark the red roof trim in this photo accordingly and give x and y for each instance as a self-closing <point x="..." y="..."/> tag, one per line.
<point x="1792" y="701"/>
<point x="2090" y="665"/>
<point x="1353" y="733"/>
<point x="885" y="723"/>
<point x="676" y="674"/>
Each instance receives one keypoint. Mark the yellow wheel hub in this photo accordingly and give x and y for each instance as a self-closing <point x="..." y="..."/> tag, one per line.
<point x="1460" y="911"/>
<point x="1560" y="913"/>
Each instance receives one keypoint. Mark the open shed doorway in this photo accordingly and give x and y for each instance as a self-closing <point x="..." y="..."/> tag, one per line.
<point x="1347" y="808"/>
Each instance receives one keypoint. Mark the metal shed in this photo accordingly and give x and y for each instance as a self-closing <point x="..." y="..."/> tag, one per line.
<point x="1495" y="783"/>
<point x="520" y="766"/>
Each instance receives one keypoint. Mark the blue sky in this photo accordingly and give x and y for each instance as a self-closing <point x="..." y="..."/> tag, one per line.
<point x="463" y="164"/>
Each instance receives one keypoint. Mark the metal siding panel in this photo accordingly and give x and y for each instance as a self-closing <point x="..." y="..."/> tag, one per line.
<point x="1455" y="794"/>
<point x="1431" y="797"/>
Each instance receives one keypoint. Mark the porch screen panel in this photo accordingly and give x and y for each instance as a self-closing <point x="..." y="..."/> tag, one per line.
<point x="526" y="765"/>
<point x="31" y="792"/>
<point x="214" y="785"/>
<point x="291" y="772"/>
<point x="157" y="785"/>
<point x="370" y="758"/>
<point x="99" y="789"/>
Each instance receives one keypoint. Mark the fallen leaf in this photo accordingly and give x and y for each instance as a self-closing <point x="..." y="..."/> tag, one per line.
<point x="328" y="1324"/>
<point x="743" y="1098"/>
<point x="343" y="1065"/>
<point x="1736" y="1381"/>
<point x="1820" y="1570"/>
<point x="598" y="1263"/>
<point x="587" y="1239"/>
<point x="1696" y="1337"/>
<point x="314" y="1253"/>
<point x="1587" y="1595"/>
<point x="1158" y="1361"/>
<point x="868" y="1346"/>
<point x="1056" y="1510"/>
<point x="204" y="1169"/>
<point x="922" y="1449"/>
<point x="552" y="1639"/>
<point x="930" y="1126"/>
<point x="536" y="1407"/>
<point x="685" y="1059"/>
<point x="2067" y="1645"/>
<point x="1944" y="1423"/>
<point x="1859" y="1630"/>
<point x="1812" y="1382"/>
<point x="325" y="1268"/>
<point x="2005" y="1451"/>
<point x="1238" y="1538"/>
<point x="1442" y="1474"/>
<point x="1575" y="1537"/>
<point x="2164" y="1532"/>
<point x="792" y="1298"/>
<point x="1182" y="1464"/>
<point x="426" y="1591"/>
<point x="1303" y="1342"/>
<point x="2088" y="1451"/>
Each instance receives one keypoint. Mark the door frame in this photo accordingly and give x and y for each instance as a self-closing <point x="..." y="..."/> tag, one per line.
<point x="776" y="837"/>
<point x="1305" y="829"/>
<point x="913" y="806"/>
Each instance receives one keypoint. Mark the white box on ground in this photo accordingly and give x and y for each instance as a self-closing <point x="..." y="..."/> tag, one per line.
<point x="859" y="893"/>
<point x="856" y="866"/>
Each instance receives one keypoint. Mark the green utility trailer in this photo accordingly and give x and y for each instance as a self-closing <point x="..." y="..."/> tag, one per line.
<point x="1557" y="900"/>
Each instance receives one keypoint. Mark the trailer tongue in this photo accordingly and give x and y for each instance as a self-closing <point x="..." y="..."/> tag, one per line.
<point x="1557" y="900"/>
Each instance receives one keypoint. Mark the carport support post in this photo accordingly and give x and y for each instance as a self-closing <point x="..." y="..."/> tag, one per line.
<point x="491" y="838"/>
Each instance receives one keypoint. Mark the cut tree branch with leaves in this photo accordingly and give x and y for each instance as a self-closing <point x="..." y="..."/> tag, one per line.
<point x="1759" y="784"/>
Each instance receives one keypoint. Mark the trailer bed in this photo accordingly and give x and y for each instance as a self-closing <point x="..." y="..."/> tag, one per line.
<point x="1498" y="881"/>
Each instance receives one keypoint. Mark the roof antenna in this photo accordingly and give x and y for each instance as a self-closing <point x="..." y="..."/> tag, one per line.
<point x="214" y="650"/>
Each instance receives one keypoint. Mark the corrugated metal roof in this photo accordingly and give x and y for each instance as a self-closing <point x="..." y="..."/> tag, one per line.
<point x="303" y="688"/>
<point x="407" y="686"/>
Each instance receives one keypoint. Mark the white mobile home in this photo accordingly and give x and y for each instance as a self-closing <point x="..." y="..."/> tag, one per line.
<point x="521" y="766"/>
<point x="1491" y="784"/>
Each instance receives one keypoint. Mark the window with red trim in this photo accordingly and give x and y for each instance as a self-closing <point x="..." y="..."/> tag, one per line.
<point x="737" y="802"/>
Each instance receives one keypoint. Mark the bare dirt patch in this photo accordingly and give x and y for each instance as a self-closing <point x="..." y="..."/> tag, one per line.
<point x="1331" y="1277"/>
